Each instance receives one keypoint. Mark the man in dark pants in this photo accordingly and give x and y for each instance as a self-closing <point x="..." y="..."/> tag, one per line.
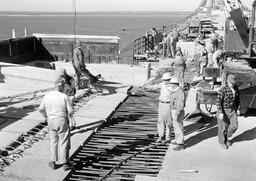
<point x="70" y="90"/>
<point x="80" y="67"/>
<point x="228" y="101"/>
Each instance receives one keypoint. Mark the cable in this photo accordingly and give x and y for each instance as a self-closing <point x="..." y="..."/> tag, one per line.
<point x="74" y="19"/>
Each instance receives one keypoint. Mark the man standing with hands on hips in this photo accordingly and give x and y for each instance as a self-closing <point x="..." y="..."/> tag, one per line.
<point x="228" y="101"/>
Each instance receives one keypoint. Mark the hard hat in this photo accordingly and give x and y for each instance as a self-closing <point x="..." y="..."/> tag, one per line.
<point x="166" y="76"/>
<point x="174" y="81"/>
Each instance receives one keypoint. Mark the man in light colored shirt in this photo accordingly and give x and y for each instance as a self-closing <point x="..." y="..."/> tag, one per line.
<point x="177" y="104"/>
<point x="164" y="110"/>
<point x="56" y="108"/>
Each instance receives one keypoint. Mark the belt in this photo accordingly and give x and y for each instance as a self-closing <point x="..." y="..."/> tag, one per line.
<point x="165" y="102"/>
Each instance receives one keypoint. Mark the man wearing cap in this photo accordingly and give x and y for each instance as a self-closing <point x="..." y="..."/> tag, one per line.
<point x="56" y="108"/>
<point x="177" y="104"/>
<point x="180" y="65"/>
<point x="164" y="110"/>
<point x="70" y="90"/>
<point x="80" y="67"/>
<point x="228" y="101"/>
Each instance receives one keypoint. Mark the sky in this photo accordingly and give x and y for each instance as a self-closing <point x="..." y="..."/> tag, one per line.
<point x="103" y="5"/>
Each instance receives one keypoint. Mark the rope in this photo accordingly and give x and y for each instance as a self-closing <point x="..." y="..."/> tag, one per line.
<point x="74" y="19"/>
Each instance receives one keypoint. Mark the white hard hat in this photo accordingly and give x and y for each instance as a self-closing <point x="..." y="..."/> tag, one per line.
<point x="166" y="76"/>
<point x="174" y="81"/>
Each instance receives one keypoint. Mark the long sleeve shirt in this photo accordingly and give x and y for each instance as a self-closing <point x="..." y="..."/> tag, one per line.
<point x="177" y="99"/>
<point x="165" y="92"/>
<point x="179" y="61"/>
<point x="227" y="99"/>
<point x="78" y="57"/>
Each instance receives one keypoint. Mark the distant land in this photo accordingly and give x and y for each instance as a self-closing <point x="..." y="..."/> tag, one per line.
<point x="59" y="13"/>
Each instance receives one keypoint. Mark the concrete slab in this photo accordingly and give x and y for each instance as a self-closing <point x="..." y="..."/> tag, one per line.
<point x="88" y="118"/>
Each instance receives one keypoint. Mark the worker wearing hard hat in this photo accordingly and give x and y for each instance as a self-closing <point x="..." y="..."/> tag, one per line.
<point x="164" y="110"/>
<point x="80" y="67"/>
<point x="180" y="66"/>
<point x="177" y="104"/>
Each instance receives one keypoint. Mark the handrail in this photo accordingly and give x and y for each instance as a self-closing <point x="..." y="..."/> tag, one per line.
<point x="142" y="44"/>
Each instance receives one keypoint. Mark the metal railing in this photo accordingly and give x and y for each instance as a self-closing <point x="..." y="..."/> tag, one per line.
<point x="142" y="44"/>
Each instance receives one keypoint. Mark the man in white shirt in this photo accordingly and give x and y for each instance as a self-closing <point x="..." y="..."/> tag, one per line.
<point x="56" y="108"/>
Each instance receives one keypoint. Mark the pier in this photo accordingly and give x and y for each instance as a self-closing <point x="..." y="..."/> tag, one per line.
<point x="116" y="126"/>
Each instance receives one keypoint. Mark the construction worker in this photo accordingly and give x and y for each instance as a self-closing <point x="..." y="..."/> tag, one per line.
<point x="201" y="56"/>
<point x="169" y="46"/>
<point x="70" y="90"/>
<point x="80" y="67"/>
<point x="177" y="105"/>
<point x="218" y="58"/>
<point x="164" y="45"/>
<point x="228" y="101"/>
<point x="175" y="36"/>
<point x="56" y="108"/>
<point x="180" y="66"/>
<point x="164" y="110"/>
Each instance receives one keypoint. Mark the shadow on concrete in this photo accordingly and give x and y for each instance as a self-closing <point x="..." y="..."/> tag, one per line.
<point x="105" y="88"/>
<point x="12" y="114"/>
<point x="86" y="127"/>
<point x="245" y="136"/>
<point x="206" y="128"/>
<point x="250" y="112"/>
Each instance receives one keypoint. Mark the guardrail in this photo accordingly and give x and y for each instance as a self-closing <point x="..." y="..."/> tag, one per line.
<point x="142" y="44"/>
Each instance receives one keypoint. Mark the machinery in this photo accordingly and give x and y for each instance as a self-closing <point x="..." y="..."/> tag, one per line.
<point x="198" y="26"/>
<point x="240" y="50"/>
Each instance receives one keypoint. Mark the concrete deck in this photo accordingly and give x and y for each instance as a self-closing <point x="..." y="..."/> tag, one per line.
<point x="204" y="159"/>
<point x="22" y="116"/>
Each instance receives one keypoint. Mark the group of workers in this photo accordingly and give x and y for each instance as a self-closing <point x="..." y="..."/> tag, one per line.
<point x="208" y="54"/>
<point x="57" y="108"/>
<point x="165" y="42"/>
<point x="172" y="98"/>
<point x="172" y="101"/>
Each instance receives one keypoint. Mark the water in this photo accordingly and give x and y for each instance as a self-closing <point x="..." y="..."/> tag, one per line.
<point x="135" y="25"/>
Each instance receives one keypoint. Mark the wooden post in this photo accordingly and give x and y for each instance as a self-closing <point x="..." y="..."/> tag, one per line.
<point x="10" y="50"/>
<point x="148" y="70"/>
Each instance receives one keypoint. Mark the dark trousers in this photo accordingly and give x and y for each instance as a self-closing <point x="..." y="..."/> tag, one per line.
<point x="227" y="126"/>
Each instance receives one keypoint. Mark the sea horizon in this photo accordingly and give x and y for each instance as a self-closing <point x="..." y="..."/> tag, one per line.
<point x="127" y="26"/>
<point x="84" y="13"/>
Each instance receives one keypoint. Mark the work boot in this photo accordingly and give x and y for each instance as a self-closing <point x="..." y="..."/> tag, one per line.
<point x="178" y="147"/>
<point x="72" y="128"/>
<point x="168" y="140"/>
<point x="228" y="143"/>
<point x="159" y="139"/>
<point x="66" y="166"/>
<point x="224" y="146"/>
<point x="173" y="142"/>
<point x="95" y="79"/>
<point x="52" y="165"/>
